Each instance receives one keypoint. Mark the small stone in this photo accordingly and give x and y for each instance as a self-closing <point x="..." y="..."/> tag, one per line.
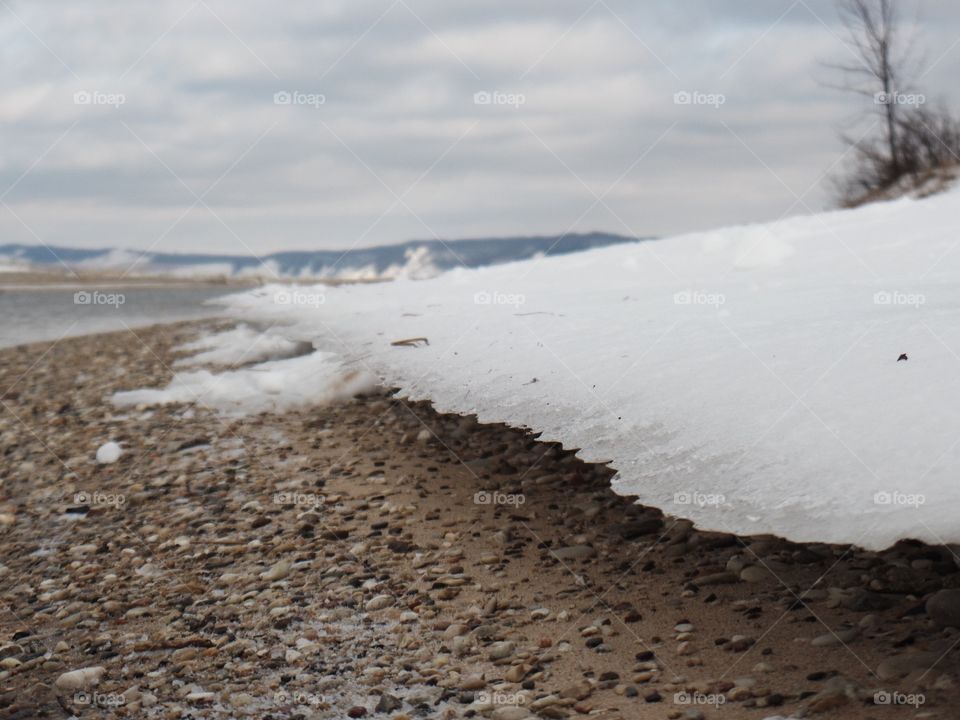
<point x="578" y="691"/>
<point x="739" y="643"/>
<point x="516" y="673"/>
<point x="379" y="602"/>
<point x="201" y="697"/>
<point x="838" y="691"/>
<point x="755" y="574"/>
<point x="78" y="679"/>
<point x="720" y="578"/>
<point x="501" y="650"/>
<point x="184" y="654"/>
<point x="510" y="713"/>
<point x="357" y="711"/>
<point x="241" y="699"/>
<point x="279" y="571"/>
<point x="473" y="682"/>
<point x="902" y="665"/>
<point x="109" y="453"/>
<point x="943" y="607"/>
<point x="574" y="552"/>
<point x="836" y="638"/>
<point x="388" y="703"/>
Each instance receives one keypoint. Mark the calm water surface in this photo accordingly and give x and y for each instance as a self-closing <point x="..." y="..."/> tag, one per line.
<point x="48" y="314"/>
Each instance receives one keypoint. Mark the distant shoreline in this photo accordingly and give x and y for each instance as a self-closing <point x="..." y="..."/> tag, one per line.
<point x="32" y="280"/>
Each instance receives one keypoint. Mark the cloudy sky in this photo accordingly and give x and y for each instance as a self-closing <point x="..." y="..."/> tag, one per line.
<point x="208" y="125"/>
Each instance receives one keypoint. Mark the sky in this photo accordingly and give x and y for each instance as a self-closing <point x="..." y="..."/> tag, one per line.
<point x="254" y="127"/>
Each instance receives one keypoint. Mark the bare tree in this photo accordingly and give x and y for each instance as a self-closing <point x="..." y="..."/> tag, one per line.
<point x="919" y="147"/>
<point x="879" y="69"/>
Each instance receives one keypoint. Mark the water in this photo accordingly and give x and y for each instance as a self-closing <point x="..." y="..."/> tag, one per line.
<point x="33" y="315"/>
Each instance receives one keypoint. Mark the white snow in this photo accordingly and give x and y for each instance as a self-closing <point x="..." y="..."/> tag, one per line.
<point x="109" y="453"/>
<point x="746" y="378"/>
<point x="275" y="386"/>
<point x="241" y="345"/>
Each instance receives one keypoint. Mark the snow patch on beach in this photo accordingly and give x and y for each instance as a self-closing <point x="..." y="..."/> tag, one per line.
<point x="800" y="378"/>
<point x="241" y="345"/>
<point x="272" y="386"/>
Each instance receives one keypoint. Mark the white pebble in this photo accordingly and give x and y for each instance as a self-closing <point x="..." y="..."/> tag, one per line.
<point x="82" y="678"/>
<point x="109" y="453"/>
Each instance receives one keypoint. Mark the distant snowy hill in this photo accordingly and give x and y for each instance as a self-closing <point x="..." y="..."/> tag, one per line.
<point x="800" y="377"/>
<point x="417" y="259"/>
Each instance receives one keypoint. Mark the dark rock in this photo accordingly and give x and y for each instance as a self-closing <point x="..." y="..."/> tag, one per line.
<point x="388" y="703"/>
<point x="943" y="607"/>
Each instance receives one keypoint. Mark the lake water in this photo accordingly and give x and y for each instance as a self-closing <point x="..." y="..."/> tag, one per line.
<point x="34" y="315"/>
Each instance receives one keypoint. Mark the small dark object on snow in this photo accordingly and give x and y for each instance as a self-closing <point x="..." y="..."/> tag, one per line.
<point x="410" y="342"/>
<point x="903" y="356"/>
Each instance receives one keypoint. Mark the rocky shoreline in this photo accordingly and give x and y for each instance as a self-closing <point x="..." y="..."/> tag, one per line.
<point x="375" y="559"/>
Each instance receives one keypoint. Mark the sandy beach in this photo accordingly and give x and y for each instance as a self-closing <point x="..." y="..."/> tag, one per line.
<point x="375" y="559"/>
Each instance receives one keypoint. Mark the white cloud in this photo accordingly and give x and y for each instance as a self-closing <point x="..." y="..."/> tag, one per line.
<point x="198" y="81"/>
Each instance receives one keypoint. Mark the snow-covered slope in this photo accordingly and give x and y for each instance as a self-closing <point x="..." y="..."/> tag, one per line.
<point x="748" y="378"/>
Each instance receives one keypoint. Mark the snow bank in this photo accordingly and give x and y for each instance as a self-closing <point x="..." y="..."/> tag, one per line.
<point x="272" y="386"/>
<point x="241" y="345"/>
<point x="746" y="378"/>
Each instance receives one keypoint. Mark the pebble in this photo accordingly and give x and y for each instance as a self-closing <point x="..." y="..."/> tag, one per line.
<point x="902" y="665"/>
<point x="837" y="691"/>
<point x="510" y="713"/>
<point x="379" y="602"/>
<point x="836" y="638"/>
<point x="109" y="453"/>
<point x="720" y="578"/>
<point x="473" y="682"/>
<point x="501" y="650"/>
<point x="574" y="552"/>
<point x="388" y="703"/>
<point x="278" y="571"/>
<point x="80" y="679"/>
<point x="943" y="607"/>
<point x="755" y="574"/>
